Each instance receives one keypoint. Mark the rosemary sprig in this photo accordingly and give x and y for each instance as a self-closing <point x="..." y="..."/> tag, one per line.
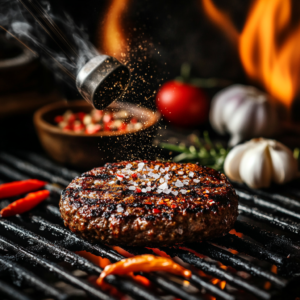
<point x="207" y="154"/>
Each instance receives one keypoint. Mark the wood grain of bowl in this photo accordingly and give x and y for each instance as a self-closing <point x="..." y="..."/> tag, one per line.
<point x="85" y="151"/>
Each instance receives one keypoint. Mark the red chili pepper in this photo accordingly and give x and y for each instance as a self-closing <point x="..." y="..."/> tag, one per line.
<point x="134" y="175"/>
<point x="58" y="119"/>
<point x="16" y="188"/>
<point x="138" y="190"/>
<point x="156" y="211"/>
<point x="143" y="263"/>
<point x="25" y="204"/>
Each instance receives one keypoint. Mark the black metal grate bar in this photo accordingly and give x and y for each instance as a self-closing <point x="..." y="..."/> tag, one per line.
<point x="65" y="255"/>
<point x="196" y="279"/>
<point x="7" y="290"/>
<point x="274" y="208"/>
<point x="217" y="272"/>
<point x="18" y="272"/>
<point x="49" y="165"/>
<point x="11" y="173"/>
<point x="57" y="270"/>
<point x="254" y="204"/>
<point x="31" y="169"/>
<point x="281" y="199"/>
<point x="250" y="248"/>
<point x="260" y="215"/>
<point x="272" y="241"/>
<point x="71" y="241"/>
<point x="238" y="263"/>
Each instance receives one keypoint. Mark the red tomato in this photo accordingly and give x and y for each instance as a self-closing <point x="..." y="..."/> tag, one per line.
<point x="182" y="104"/>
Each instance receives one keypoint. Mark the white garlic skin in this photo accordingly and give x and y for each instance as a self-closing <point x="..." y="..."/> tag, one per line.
<point x="244" y="112"/>
<point x="260" y="162"/>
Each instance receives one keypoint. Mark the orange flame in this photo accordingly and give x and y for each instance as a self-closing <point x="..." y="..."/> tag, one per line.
<point x="267" y="46"/>
<point x="112" y="35"/>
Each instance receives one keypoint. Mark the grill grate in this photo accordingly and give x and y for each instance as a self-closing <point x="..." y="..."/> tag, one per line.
<point x="37" y="252"/>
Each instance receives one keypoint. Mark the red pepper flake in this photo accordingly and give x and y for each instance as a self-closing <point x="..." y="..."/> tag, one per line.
<point x="147" y="203"/>
<point x="161" y="202"/>
<point x="81" y="115"/>
<point x="16" y="188"/>
<point x="120" y="175"/>
<point x="134" y="175"/>
<point x="133" y="121"/>
<point x="138" y="190"/>
<point x="71" y="119"/>
<point x="25" y="204"/>
<point x="156" y="211"/>
<point x="58" y="119"/>
<point x="123" y="126"/>
<point x="173" y="205"/>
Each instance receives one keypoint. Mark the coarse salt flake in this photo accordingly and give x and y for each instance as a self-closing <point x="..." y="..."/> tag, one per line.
<point x="132" y="188"/>
<point x="162" y="170"/>
<point x="180" y="172"/>
<point x="161" y="180"/>
<point x="111" y="182"/>
<point x="120" y="209"/>
<point x="128" y="166"/>
<point x="144" y="190"/>
<point x="148" y="183"/>
<point x="182" y="191"/>
<point x="156" y="167"/>
<point x="141" y="166"/>
<point x="178" y="183"/>
<point x="158" y="191"/>
<point x="167" y="169"/>
<point x="163" y="186"/>
<point x="175" y="193"/>
<point x="167" y="176"/>
<point x="148" y="189"/>
<point x="196" y="180"/>
<point x="156" y="176"/>
<point x="191" y="174"/>
<point x="167" y="191"/>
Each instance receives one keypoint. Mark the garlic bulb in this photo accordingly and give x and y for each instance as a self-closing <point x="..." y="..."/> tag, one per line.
<point x="260" y="161"/>
<point x="244" y="112"/>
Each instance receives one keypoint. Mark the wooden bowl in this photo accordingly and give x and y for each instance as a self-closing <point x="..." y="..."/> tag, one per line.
<point x="85" y="151"/>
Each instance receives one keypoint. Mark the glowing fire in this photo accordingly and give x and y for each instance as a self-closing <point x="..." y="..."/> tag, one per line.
<point x="267" y="45"/>
<point x="113" y="40"/>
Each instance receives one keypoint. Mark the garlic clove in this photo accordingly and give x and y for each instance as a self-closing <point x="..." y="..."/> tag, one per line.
<point x="219" y="103"/>
<point x="284" y="165"/>
<point x="232" y="161"/>
<point x="255" y="167"/>
<point x="238" y="123"/>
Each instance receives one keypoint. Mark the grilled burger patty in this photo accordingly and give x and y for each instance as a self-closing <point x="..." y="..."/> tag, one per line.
<point x="149" y="203"/>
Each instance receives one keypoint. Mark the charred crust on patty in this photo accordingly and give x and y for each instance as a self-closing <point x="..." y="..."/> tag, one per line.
<point x="149" y="203"/>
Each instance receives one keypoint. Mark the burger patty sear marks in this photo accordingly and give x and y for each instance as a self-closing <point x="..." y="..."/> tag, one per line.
<point x="149" y="203"/>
